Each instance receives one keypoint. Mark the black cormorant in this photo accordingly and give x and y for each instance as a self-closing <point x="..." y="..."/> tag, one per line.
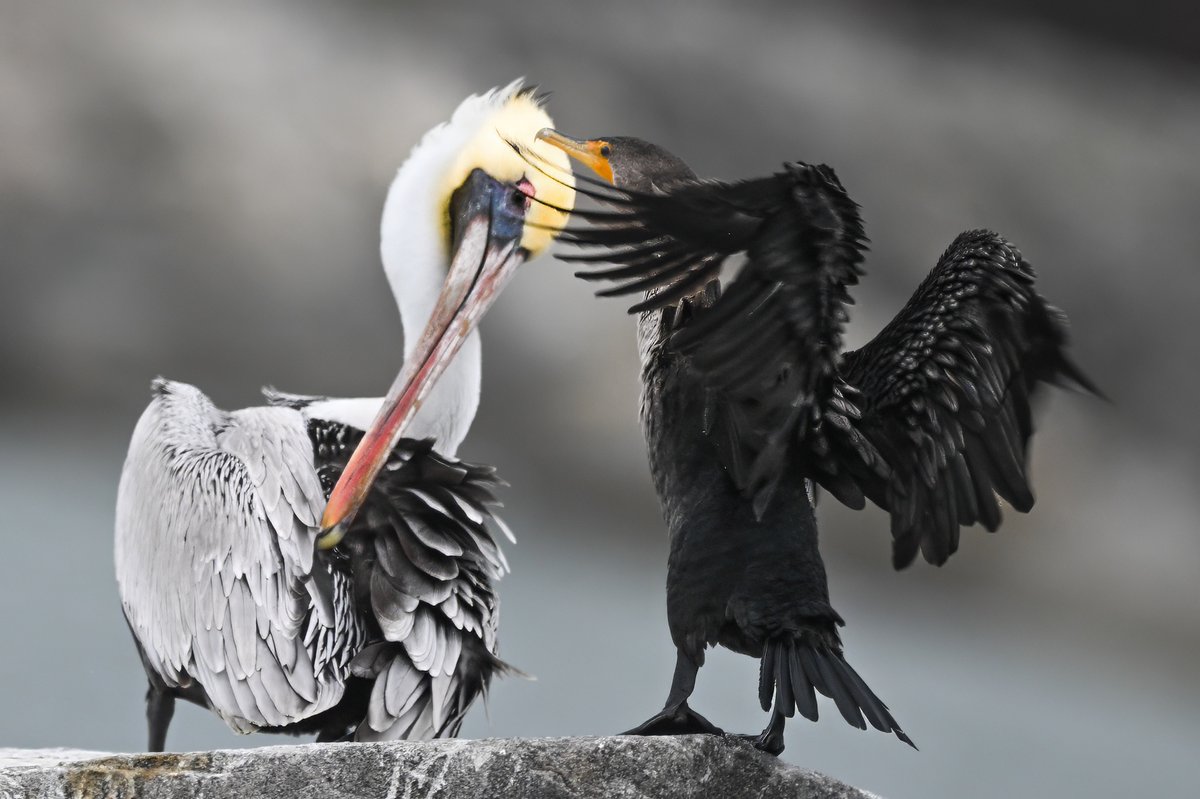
<point x="748" y="401"/>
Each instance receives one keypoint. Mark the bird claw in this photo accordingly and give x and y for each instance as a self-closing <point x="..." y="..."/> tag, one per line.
<point x="769" y="741"/>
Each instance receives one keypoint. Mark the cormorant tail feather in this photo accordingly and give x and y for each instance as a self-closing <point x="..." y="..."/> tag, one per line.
<point x="796" y="668"/>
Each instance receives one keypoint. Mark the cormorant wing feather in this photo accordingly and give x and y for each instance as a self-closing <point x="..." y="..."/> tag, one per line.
<point x="766" y="350"/>
<point x="945" y="392"/>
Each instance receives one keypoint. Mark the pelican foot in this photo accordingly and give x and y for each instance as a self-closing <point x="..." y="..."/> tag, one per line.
<point x="335" y="735"/>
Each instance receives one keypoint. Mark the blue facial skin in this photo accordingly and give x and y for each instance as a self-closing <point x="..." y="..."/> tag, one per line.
<point x="509" y="205"/>
<point x="482" y="195"/>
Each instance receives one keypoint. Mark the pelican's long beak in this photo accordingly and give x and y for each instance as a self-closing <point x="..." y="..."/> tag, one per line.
<point x="592" y="153"/>
<point x="488" y="220"/>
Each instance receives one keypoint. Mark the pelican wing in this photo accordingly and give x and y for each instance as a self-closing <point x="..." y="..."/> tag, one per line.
<point x="425" y="566"/>
<point x="945" y="392"/>
<point x="216" y="521"/>
<point x="766" y="350"/>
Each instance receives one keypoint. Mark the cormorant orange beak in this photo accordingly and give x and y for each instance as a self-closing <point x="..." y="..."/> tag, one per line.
<point x="592" y="153"/>
<point x="488" y="223"/>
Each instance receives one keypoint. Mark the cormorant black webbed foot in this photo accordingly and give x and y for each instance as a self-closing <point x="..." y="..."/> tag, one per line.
<point x="769" y="740"/>
<point x="676" y="718"/>
<point x="679" y="720"/>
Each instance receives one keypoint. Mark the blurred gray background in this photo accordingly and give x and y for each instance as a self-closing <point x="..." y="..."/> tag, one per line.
<point x="194" y="190"/>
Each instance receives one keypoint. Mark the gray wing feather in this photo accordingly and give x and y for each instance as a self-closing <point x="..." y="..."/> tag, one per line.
<point x="215" y="531"/>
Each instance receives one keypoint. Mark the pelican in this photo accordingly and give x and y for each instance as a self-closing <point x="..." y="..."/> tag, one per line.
<point x="384" y="626"/>
<point x="747" y="401"/>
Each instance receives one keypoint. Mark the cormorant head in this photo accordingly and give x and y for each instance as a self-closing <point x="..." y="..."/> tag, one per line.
<point x="624" y="161"/>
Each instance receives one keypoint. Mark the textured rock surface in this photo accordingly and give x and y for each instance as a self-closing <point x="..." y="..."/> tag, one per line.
<point x="701" y="766"/>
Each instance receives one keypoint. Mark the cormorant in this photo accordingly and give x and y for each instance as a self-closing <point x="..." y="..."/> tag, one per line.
<point x="748" y="401"/>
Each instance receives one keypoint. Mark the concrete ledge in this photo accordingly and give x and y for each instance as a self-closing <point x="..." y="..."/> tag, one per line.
<point x="636" y="768"/>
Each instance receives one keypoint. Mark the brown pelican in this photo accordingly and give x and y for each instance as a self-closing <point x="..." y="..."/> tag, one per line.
<point x="235" y="601"/>
<point x="747" y="401"/>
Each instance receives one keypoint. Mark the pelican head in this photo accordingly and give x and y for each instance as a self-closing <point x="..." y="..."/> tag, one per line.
<point x="625" y="161"/>
<point x="458" y="221"/>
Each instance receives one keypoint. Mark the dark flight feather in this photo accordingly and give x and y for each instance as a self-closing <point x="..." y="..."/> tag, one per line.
<point x="767" y="348"/>
<point x="946" y="390"/>
<point x="931" y="420"/>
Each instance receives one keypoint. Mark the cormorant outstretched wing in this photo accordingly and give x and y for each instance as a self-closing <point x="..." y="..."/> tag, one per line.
<point x="930" y="420"/>
<point x="946" y="389"/>
<point x="767" y="347"/>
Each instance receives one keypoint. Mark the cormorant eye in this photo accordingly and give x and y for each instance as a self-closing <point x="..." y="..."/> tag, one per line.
<point x="605" y="150"/>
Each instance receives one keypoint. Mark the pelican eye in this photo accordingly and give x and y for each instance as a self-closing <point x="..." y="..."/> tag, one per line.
<point x="523" y="193"/>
